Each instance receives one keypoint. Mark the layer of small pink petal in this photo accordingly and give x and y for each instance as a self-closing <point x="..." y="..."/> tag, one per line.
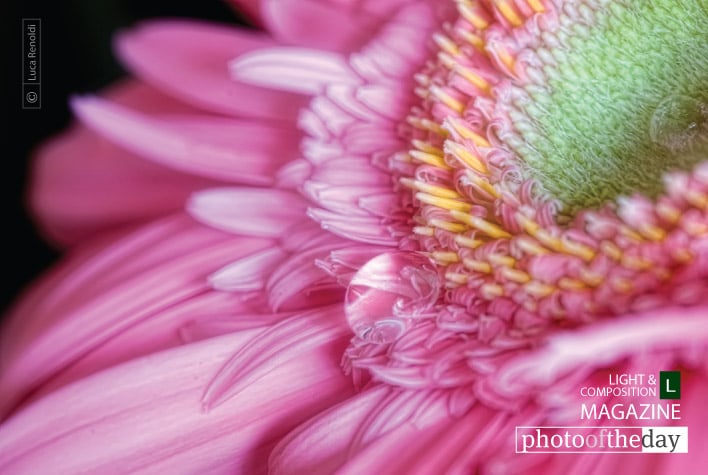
<point x="146" y="415"/>
<point x="353" y="122"/>
<point x="458" y="431"/>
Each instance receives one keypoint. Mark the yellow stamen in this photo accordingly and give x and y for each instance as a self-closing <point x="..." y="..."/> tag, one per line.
<point x="593" y="279"/>
<point x="636" y="262"/>
<point x="482" y="183"/>
<point x="566" y="283"/>
<point x="475" y="79"/>
<point x="447" y="99"/>
<point x="530" y="246"/>
<point x="536" y="6"/>
<point x="695" y="229"/>
<point x="472" y="16"/>
<point x="509" y="12"/>
<point x="631" y="234"/>
<point x="475" y="40"/>
<point x="491" y="291"/>
<point x="465" y="156"/>
<point x="668" y="212"/>
<point x="424" y="146"/>
<point x="548" y="240"/>
<point x="446" y="44"/>
<point x="504" y="55"/>
<point x="468" y="73"/>
<point x="447" y="226"/>
<point x="577" y="249"/>
<point x="501" y="260"/>
<point x="611" y="250"/>
<point x="434" y="190"/>
<point x="477" y="266"/>
<point x="428" y="125"/>
<point x="445" y="203"/>
<point x="424" y="231"/>
<point x="538" y="289"/>
<point x="696" y="198"/>
<point x="467" y="133"/>
<point x="528" y="224"/>
<point x="402" y="157"/>
<point x="622" y="285"/>
<point x="445" y="257"/>
<point x="429" y="158"/>
<point x="457" y="278"/>
<point x="483" y="225"/>
<point x="682" y="256"/>
<point x="651" y="232"/>
<point x="515" y="275"/>
<point x="468" y="242"/>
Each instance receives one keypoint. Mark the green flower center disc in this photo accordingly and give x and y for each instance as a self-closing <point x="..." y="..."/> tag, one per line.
<point x="626" y="100"/>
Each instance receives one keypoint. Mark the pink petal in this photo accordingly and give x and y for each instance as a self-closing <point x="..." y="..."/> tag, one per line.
<point x="123" y="301"/>
<point x="249" y="273"/>
<point x="189" y="59"/>
<point x="284" y="341"/>
<point x="248" y="211"/>
<point x="145" y="415"/>
<point x="298" y="282"/>
<point x="292" y="69"/>
<point x="367" y="423"/>
<point x="368" y="230"/>
<point x="79" y="178"/>
<point x="214" y="147"/>
<point x="604" y="343"/>
<point x="323" y="25"/>
<point x="320" y="445"/>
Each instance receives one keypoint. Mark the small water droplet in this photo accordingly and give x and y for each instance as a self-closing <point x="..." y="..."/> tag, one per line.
<point x="680" y="123"/>
<point x="387" y="292"/>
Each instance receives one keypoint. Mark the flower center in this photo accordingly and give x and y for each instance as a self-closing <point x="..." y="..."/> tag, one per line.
<point x="613" y="98"/>
<point x="534" y="117"/>
<point x="530" y="110"/>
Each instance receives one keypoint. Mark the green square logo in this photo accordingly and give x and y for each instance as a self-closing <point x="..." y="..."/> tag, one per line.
<point x="670" y="385"/>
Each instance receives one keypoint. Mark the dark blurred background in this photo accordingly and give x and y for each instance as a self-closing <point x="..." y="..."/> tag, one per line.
<point x="76" y="58"/>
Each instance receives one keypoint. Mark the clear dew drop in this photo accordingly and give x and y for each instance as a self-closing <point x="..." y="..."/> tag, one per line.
<point x="388" y="292"/>
<point x="680" y="124"/>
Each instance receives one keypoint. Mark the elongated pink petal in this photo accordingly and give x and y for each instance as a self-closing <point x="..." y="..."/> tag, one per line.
<point x="320" y="445"/>
<point x="248" y="273"/>
<point x="248" y="211"/>
<point x="293" y="69"/>
<point x="361" y="423"/>
<point x="369" y="230"/>
<point x="286" y="340"/>
<point x="80" y="178"/>
<point x="189" y="59"/>
<point x="299" y="283"/>
<point x="127" y="300"/>
<point x="146" y="415"/>
<point x="215" y="147"/>
<point x="322" y="25"/>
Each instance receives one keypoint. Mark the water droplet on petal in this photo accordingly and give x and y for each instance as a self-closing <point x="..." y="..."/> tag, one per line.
<point x="680" y="123"/>
<point x="389" y="291"/>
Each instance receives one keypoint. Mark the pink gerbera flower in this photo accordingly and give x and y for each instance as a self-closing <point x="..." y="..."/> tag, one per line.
<point x="376" y="239"/>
